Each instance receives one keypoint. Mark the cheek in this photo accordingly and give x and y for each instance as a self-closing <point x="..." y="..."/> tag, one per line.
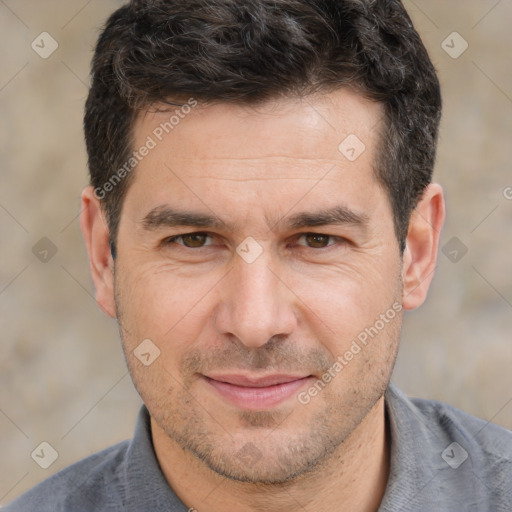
<point x="360" y="327"/>
<point x="344" y="300"/>
<point x="157" y="304"/>
<point x="335" y="303"/>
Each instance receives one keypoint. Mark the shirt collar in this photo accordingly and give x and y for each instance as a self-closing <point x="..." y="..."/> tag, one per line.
<point x="147" y="488"/>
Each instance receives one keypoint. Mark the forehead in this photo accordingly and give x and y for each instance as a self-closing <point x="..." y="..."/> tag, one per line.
<point x="240" y="153"/>
<point x="303" y="128"/>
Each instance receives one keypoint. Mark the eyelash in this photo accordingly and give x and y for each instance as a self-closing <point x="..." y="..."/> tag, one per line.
<point x="172" y="239"/>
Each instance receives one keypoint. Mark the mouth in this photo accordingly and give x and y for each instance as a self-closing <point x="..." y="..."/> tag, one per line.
<point x="256" y="393"/>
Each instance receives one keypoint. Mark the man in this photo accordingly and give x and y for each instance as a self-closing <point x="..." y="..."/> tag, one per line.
<point x="260" y="214"/>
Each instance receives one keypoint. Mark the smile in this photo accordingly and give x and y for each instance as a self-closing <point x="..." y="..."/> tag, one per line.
<point x="256" y="393"/>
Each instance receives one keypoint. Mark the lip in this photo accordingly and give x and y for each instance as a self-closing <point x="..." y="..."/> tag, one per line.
<point x="256" y="393"/>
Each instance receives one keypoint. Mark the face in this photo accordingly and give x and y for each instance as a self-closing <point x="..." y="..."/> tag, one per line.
<point x="261" y="261"/>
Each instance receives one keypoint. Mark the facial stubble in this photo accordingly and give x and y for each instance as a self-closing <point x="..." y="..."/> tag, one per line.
<point x="289" y="442"/>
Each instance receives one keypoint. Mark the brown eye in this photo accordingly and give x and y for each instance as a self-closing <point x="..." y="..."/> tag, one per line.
<point x="190" y="240"/>
<point x="317" y="240"/>
<point x="194" y="239"/>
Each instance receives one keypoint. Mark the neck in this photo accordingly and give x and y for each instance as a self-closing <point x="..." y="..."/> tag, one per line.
<point x="354" y="477"/>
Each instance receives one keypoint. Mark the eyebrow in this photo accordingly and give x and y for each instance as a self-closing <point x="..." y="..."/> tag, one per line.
<point x="339" y="215"/>
<point x="166" y="217"/>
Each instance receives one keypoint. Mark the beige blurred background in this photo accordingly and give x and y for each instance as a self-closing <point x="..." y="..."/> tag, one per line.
<point x="63" y="379"/>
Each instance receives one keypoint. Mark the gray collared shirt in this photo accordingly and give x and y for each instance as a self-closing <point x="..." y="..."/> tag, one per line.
<point x="441" y="460"/>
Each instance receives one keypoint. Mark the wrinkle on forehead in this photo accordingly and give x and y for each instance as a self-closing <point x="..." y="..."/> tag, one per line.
<point x="261" y="169"/>
<point x="222" y="147"/>
<point x="256" y="159"/>
<point x="311" y="128"/>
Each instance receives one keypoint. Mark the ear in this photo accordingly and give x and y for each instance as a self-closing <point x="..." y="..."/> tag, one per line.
<point x="420" y="255"/>
<point x="96" y="235"/>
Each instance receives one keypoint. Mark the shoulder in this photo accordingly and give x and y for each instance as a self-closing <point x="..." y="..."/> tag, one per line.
<point x="482" y="437"/>
<point x="89" y="484"/>
<point x="445" y="459"/>
<point x="124" y="477"/>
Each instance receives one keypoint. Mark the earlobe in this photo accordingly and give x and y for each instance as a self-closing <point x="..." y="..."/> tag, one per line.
<point x="96" y="235"/>
<point x="420" y="255"/>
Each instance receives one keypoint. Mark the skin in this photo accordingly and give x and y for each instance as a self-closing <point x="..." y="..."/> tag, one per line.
<point x="294" y="309"/>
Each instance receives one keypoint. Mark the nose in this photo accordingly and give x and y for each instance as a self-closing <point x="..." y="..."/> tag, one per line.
<point x="255" y="304"/>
